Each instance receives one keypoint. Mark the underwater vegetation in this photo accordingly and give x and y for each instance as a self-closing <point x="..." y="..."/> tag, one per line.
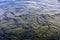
<point x="29" y="20"/>
<point x="30" y="27"/>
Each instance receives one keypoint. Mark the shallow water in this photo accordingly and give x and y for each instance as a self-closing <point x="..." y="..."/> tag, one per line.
<point x="30" y="6"/>
<point x="12" y="23"/>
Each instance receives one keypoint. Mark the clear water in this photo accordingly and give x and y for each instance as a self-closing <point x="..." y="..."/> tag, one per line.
<point x="10" y="17"/>
<point x="30" y="6"/>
